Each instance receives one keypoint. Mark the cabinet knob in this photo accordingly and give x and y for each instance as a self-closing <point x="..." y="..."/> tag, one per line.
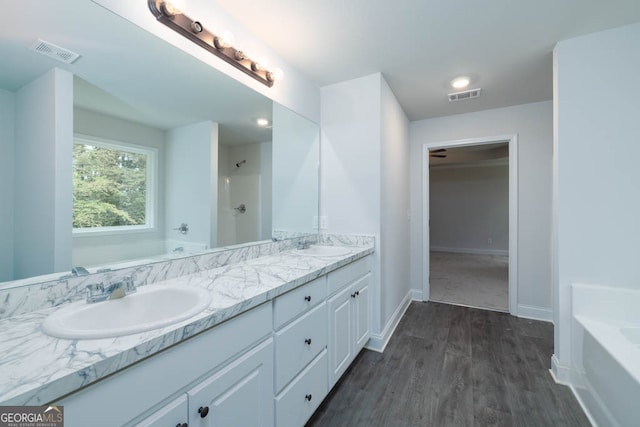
<point x="182" y="425"/>
<point x="203" y="411"/>
<point x="308" y="397"/>
<point x="307" y="298"/>
<point x="353" y="295"/>
<point x="308" y="341"/>
<point x="357" y="293"/>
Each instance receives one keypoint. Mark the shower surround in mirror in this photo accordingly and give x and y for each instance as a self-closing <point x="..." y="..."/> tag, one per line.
<point x="186" y="121"/>
<point x="244" y="193"/>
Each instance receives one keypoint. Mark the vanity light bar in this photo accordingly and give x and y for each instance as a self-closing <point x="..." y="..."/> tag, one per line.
<point x="165" y="12"/>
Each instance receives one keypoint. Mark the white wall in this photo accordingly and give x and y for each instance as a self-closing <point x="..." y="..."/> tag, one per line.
<point x="533" y="124"/>
<point x="191" y="184"/>
<point x="596" y="173"/>
<point x="266" y="189"/>
<point x="394" y="208"/>
<point x="7" y="152"/>
<point x="43" y="192"/>
<point x="295" y="157"/>
<point x="468" y="205"/>
<point x="295" y="91"/>
<point x="89" y="250"/>
<point x="364" y="156"/>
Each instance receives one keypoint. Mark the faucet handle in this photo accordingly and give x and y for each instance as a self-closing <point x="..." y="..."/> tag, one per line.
<point x="94" y="291"/>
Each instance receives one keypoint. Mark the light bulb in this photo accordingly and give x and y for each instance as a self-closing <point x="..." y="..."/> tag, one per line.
<point x="262" y="122"/>
<point x="460" y="82"/>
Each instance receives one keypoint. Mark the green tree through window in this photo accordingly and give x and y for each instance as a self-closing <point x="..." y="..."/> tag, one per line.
<point x="109" y="186"/>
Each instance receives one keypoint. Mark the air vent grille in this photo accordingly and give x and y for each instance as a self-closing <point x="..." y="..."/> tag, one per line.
<point x="53" y="51"/>
<point x="464" y="95"/>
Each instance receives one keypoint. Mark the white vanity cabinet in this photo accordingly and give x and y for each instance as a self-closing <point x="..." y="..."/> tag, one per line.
<point x="270" y="366"/>
<point x="349" y="309"/>
<point x="173" y="414"/>
<point x="241" y="394"/>
<point x="300" y="331"/>
<point x="148" y="392"/>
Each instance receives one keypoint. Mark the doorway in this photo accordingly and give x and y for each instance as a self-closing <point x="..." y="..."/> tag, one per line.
<point x="485" y="265"/>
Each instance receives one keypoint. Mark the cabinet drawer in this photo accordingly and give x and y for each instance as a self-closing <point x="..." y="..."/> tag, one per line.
<point x="296" y="404"/>
<point x="299" y="300"/>
<point x="341" y="277"/>
<point x="293" y="351"/>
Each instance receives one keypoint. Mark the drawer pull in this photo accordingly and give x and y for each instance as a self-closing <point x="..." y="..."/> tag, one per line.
<point x="308" y="397"/>
<point x="307" y="298"/>
<point x="353" y="295"/>
<point x="308" y="341"/>
<point x="203" y="411"/>
<point x="182" y="425"/>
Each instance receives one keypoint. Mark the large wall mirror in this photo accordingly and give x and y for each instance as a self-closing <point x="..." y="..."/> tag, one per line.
<point x="136" y="151"/>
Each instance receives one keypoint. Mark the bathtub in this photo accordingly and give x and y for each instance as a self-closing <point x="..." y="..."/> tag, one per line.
<point x="606" y="353"/>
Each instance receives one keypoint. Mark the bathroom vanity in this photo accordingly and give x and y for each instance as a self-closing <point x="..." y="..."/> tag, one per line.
<point x="279" y="332"/>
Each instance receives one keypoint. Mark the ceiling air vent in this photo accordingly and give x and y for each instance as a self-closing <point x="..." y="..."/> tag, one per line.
<point x="53" y="51"/>
<point x="465" y="94"/>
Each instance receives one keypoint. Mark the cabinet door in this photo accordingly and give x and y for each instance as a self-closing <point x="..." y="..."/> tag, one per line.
<point x="362" y="312"/>
<point x="240" y="394"/>
<point x="340" y="345"/>
<point x="170" y="415"/>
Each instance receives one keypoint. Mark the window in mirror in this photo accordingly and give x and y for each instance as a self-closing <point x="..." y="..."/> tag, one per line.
<point x="113" y="186"/>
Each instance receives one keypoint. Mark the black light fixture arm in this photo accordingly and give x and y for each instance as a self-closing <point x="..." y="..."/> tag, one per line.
<point x="195" y="31"/>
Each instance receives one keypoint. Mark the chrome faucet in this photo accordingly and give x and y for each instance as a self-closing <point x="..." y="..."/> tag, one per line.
<point x="304" y="244"/>
<point x="100" y="292"/>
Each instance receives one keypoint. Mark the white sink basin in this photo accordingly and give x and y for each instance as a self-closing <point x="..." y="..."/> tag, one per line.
<point x="322" y="251"/>
<point x="149" y="308"/>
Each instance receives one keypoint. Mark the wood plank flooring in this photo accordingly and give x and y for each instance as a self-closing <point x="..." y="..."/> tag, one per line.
<point x="448" y="365"/>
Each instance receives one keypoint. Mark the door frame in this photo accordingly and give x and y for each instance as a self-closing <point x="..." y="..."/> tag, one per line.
<point x="513" y="209"/>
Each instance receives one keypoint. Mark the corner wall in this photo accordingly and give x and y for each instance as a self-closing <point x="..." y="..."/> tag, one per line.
<point x="7" y="153"/>
<point x="533" y="124"/>
<point x="43" y="182"/>
<point x="364" y="164"/>
<point x="596" y="173"/>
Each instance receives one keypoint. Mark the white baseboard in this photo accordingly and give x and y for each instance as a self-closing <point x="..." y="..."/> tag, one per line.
<point x="475" y="251"/>
<point x="416" y="295"/>
<point x="378" y="342"/>
<point x="535" y="313"/>
<point x="561" y="374"/>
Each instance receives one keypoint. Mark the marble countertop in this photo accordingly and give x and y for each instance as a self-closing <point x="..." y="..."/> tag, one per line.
<point x="36" y="368"/>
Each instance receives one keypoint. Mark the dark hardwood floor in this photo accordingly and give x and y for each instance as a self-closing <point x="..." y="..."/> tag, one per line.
<point x="448" y="365"/>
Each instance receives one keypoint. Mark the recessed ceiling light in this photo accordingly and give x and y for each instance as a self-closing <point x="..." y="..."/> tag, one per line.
<point x="262" y="122"/>
<point x="460" y="82"/>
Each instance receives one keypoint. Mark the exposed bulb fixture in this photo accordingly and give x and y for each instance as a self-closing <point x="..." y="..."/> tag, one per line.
<point x="262" y="122"/>
<point x="219" y="44"/>
<point x="460" y="82"/>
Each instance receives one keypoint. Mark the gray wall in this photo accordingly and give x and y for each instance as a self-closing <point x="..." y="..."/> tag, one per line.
<point x="469" y="205"/>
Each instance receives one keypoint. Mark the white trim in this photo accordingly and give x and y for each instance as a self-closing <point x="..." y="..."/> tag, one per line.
<point x="513" y="209"/>
<point x="416" y="294"/>
<point x="535" y="313"/>
<point x="473" y="251"/>
<point x="561" y="374"/>
<point x="378" y="342"/>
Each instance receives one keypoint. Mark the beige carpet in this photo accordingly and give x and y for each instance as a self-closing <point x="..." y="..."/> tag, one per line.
<point x="473" y="280"/>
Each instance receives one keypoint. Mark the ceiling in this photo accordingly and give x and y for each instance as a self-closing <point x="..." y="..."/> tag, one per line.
<point x="505" y="46"/>
<point x="476" y="155"/>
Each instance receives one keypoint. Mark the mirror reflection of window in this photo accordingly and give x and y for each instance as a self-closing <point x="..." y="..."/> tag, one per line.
<point x="111" y="186"/>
